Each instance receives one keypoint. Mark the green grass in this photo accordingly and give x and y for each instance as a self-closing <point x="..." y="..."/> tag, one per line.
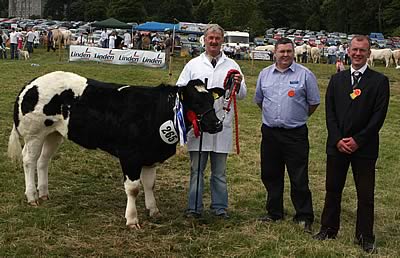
<point x="85" y="215"/>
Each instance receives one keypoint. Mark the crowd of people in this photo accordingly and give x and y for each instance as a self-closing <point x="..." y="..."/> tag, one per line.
<point x="288" y="94"/>
<point x="18" y="41"/>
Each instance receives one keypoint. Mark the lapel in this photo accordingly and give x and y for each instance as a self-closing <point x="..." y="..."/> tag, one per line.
<point x="365" y="78"/>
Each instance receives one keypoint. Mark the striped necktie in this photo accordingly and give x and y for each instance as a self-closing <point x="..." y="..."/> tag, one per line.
<point x="214" y="62"/>
<point x="356" y="78"/>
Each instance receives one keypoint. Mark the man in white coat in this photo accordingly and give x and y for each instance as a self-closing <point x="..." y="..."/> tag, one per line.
<point x="211" y="67"/>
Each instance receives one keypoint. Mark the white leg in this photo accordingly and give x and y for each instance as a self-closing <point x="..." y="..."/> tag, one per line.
<point x="148" y="178"/>
<point x="30" y="155"/>
<point x="132" y="191"/>
<point x="50" y="146"/>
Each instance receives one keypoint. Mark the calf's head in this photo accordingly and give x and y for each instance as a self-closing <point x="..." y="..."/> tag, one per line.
<point x="195" y="97"/>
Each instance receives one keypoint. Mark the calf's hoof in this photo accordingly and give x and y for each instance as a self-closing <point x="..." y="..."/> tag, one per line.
<point x="34" y="203"/>
<point x="44" y="197"/>
<point x="154" y="213"/>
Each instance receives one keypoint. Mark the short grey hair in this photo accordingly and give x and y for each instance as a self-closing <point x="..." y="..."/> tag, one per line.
<point x="214" y="28"/>
<point x="361" y="38"/>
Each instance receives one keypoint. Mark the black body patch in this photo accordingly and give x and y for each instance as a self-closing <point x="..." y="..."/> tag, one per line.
<point x="48" y="122"/>
<point x="60" y="104"/>
<point x="30" y="100"/>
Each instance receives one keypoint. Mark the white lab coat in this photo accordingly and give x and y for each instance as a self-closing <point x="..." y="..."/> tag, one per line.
<point x="201" y="68"/>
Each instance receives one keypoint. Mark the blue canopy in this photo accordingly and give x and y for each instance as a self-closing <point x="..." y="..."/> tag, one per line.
<point x="157" y="26"/>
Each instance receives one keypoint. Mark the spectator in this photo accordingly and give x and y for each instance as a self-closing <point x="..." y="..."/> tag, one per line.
<point x="332" y="49"/>
<point x="36" y="41"/>
<point x="104" y="38"/>
<point x="20" y="39"/>
<point x="111" y="40"/>
<point x="30" y="37"/>
<point x="127" y="39"/>
<point x="3" y="43"/>
<point x="167" y="48"/>
<point x="13" y="44"/>
<point x="50" y="41"/>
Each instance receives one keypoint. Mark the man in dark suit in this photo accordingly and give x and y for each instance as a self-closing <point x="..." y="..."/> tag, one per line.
<point x="356" y="104"/>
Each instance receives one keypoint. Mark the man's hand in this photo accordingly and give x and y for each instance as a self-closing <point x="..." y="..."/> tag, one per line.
<point x="238" y="79"/>
<point x="351" y="143"/>
<point x="347" y="145"/>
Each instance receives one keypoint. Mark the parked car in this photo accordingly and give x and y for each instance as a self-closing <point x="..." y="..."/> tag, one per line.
<point x="298" y="40"/>
<point x="192" y="37"/>
<point x="258" y="41"/>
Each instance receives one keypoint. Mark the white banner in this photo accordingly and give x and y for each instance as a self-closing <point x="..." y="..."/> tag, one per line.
<point x="260" y="55"/>
<point x="117" y="56"/>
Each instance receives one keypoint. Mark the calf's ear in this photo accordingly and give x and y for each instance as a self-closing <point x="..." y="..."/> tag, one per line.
<point x="217" y="92"/>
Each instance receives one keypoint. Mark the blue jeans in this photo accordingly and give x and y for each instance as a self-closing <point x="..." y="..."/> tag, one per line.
<point x="13" y="51"/>
<point x="219" y="191"/>
<point x="29" y="46"/>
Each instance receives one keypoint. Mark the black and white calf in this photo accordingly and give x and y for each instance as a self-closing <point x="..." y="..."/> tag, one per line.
<point x="135" y="124"/>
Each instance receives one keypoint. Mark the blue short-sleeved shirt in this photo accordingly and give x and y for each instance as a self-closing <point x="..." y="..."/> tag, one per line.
<point x="286" y="96"/>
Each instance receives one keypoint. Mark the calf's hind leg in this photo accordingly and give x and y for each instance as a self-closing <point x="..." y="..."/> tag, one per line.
<point x="50" y="146"/>
<point x="30" y="155"/>
<point x="148" y="178"/>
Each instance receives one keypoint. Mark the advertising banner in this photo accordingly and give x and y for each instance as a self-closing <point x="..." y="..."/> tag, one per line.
<point x="260" y="55"/>
<point x="117" y="56"/>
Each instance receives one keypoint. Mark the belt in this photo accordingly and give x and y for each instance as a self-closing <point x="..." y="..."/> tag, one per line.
<point x="283" y="129"/>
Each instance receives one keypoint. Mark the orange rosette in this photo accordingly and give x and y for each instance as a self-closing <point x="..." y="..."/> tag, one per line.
<point x="291" y="93"/>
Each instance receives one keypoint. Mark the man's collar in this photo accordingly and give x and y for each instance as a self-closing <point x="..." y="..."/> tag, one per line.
<point x="291" y="67"/>
<point x="361" y="70"/>
<point x="215" y="57"/>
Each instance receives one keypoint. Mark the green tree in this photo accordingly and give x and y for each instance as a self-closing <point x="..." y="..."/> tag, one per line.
<point x="176" y="10"/>
<point x="127" y="10"/>
<point x="3" y="8"/>
<point x="391" y="17"/>
<point x="202" y="10"/>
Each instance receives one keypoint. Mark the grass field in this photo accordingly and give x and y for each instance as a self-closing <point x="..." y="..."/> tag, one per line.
<point x="85" y="214"/>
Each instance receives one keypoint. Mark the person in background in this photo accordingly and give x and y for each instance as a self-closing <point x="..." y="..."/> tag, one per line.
<point x="287" y="94"/>
<point x="3" y="42"/>
<point x="111" y="40"/>
<point x="332" y="51"/>
<point x="127" y="39"/>
<point x="50" y="41"/>
<point x="356" y="102"/>
<point x="13" y="44"/>
<point x="30" y="37"/>
<point x="20" y="39"/>
<point x="211" y="67"/>
<point x="104" y="38"/>
<point x="36" y="41"/>
<point x="167" y="48"/>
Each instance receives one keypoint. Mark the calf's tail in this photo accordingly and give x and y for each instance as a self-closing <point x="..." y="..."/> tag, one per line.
<point x="14" y="146"/>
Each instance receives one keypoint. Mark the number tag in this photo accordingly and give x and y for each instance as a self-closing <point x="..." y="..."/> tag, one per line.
<point x="168" y="133"/>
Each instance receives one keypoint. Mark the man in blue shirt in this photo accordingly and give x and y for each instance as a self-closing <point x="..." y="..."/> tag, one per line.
<point x="287" y="93"/>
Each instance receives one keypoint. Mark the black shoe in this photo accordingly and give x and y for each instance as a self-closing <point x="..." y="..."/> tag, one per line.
<point x="268" y="218"/>
<point x="223" y="215"/>
<point x="325" y="234"/>
<point x="192" y="215"/>
<point x="307" y="226"/>
<point x="369" y="247"/>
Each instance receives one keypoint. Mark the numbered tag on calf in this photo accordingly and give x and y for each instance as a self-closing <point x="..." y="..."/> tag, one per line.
<point x="168" y="133"/>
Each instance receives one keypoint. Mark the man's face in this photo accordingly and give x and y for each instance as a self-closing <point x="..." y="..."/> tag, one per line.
<point x="213" y="42"/>
<point x="359" y="52"/>
<point x="284" y="55"/>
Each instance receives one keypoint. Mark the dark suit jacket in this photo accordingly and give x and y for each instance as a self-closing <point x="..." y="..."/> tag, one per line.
<point x="360" y="118"/>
